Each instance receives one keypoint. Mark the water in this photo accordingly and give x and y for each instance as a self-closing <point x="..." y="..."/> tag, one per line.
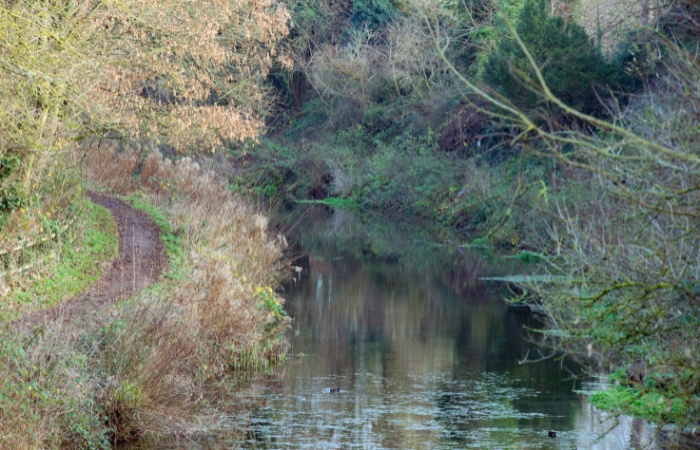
<point x="425" y="355"/>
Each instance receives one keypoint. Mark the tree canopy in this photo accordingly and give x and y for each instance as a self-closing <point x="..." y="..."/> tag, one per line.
<point x="186" y="74"/>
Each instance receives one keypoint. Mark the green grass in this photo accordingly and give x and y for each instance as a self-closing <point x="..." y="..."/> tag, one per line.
<point x="80" y="264"/>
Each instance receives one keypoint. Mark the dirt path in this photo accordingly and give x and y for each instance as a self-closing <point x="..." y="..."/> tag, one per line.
<point x="141" y="261"/>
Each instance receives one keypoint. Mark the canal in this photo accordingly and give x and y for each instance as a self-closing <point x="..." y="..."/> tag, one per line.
<point x="398" y="343"/>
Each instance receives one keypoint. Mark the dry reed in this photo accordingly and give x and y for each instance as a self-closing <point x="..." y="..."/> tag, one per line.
<point x="214" y="319"/>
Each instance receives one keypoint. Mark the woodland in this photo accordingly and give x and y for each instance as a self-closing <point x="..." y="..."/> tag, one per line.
<point x="563" y="132"/>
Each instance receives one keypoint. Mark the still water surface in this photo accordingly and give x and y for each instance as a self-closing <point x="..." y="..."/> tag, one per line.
<point x="424" y="353"/>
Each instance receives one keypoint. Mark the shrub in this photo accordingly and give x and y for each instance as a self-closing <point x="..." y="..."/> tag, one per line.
<point x="372" y="13"/>
<point x="572" y="65"/>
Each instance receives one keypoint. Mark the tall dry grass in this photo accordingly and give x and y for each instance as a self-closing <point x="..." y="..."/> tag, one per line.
<point x="231" y="256"/>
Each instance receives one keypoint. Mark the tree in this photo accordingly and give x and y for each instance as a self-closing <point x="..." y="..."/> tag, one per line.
<point x="621" y="278"/>
<point x="571" y="64"/>
<point x="187" y="74"/>
<point x="190" y="73"/>
<point x="41" y="59"/>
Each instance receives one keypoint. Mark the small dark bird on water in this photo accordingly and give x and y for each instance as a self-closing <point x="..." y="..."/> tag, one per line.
<point x="552" y="434"/>
<point x="335" y="390"/>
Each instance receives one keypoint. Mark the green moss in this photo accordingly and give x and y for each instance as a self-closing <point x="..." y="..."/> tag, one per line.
<point x="648" y="405"/>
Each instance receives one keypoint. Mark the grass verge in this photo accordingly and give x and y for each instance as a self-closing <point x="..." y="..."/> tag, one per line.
<point x="80" y="263"/>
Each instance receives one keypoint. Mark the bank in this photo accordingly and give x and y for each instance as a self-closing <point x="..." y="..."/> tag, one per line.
<point x="99" y="372"/>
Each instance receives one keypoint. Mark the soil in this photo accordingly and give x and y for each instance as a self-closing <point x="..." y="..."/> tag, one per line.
<point x="142" y="259"/>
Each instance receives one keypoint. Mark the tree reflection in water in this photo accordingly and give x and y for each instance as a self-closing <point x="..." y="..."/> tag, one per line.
<point x="425" y="355"/>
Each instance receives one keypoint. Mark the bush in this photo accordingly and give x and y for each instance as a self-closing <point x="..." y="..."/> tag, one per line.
<point x="372" y="13"/>
<point x="573" y="67"/>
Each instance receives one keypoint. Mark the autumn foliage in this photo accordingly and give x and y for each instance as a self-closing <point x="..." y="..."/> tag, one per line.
<point x="185" y="74"/>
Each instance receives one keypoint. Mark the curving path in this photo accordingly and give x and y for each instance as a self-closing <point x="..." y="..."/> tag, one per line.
<point x="141" y="261"/>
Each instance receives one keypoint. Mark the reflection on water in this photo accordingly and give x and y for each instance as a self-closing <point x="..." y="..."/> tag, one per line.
<point x="424" y="354"/>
